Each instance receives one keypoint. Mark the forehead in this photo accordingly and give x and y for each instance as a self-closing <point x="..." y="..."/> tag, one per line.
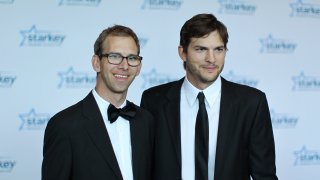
<point x="212" y="39"/>
<point x="120" y="44"/>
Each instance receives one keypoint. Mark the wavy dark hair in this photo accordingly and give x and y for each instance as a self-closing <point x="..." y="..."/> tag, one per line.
<point x="199" y="26"/>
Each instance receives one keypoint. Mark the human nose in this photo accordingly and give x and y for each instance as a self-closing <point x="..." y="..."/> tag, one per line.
<point x="210" y="56"/>
<point x="124" y="63"/>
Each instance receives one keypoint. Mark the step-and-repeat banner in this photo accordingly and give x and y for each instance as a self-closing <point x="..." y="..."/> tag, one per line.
<point x="45" y="66"/>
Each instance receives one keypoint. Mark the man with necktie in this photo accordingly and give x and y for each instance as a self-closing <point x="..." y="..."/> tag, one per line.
<point x="104" y="136"/>
<point x="208" y="128"/>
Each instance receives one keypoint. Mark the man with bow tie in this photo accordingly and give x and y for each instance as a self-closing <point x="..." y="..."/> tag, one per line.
<point x="104" y="136"/>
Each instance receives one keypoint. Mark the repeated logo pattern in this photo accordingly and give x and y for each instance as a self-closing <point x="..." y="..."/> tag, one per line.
<point x="154" y="78"/>
<point x="162" y="4"/>
<point x="307" y="157"/>
<point x="35" y="37"/>
<point x="33" y="120"/>
<point x="283" y="120"/>
<point x="7" y="164"/>
<point x="302" y="9"/>
<point x="239" y="7"/>
<point x="275" y="45"/>
<point x="73" y="79"/>
<point x="46" y="36"/>
<point x="7" y="79"/>
<point x="303" y="82"/>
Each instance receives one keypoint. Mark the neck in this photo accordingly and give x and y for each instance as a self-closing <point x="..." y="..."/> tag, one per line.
<point x="201" y="85"/>
<point x="112" y="97"/>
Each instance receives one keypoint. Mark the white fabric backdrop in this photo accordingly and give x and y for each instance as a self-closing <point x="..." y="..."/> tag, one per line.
<point x="46" y="48"/>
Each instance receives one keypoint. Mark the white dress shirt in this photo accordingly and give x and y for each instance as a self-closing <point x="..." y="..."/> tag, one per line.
<point x="119" y="133"/>
<point x="188" y="108"/>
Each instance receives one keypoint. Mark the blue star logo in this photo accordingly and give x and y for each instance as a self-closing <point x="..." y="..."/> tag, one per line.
<point x="306" y="157"/>
<point x="265" y="42"/>
<point x="161" y="4"/>
<point x="153" y="78"/>
<point x="272" y="45"/>
<point x="34" y="37"/>
<point x="33" y="120"/>
<point x="26" y="33"/>
<point x="236" y="7"/>
<point x="302" y="82"/>
<point x="304" y="10"/>
<point x="282" y="120"/>
<point x="73" y="79"/>
<point x="64" y="76"/>
<point x="298" y="80"/>
<point x="296" y="7"/>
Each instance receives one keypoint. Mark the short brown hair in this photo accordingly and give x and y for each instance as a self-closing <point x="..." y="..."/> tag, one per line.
<point x="199" y="26"/>
<point x="116" y="30"/>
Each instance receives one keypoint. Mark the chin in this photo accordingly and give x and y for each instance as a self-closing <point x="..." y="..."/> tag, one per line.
<point x="209" y="79"/>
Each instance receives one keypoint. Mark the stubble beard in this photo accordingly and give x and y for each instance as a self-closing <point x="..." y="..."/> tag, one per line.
<point x="196" y="73"/>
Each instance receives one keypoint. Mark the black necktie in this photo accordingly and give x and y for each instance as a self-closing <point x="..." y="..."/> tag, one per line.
<point x="128" y="112"/>
<point x="201" y="141"/>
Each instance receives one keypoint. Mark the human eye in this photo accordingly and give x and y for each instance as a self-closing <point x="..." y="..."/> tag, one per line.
<point x="114" y="56"/>
<point x="200" y="49"/>
<point x="133" y="58"/>
<point x="219" y="49"/>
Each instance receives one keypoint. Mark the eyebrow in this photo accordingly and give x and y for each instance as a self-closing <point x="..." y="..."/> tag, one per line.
<point x="122" y="54"/>
<point x="218" y="47"/>
<point x="199" y="46"/>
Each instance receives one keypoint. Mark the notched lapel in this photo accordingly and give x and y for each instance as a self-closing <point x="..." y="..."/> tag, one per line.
<point x="172" y="115"/>
<point x="225" y="117"/>
<point x="98" y="133"/>
<point x="139" y="143"/>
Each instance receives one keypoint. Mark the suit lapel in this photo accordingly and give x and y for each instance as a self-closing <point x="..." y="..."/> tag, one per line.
<point x="137" y="125"/>
<point x="226" y="115"/>
<point x="135" y="143"/>
<point x="98" y="133"/>
<point x="172" y="115"/>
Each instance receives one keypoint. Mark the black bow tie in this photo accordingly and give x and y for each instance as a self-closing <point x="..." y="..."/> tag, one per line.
<point x="128" y="112"/>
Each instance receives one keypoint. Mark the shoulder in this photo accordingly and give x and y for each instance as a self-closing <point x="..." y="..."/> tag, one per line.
<point x="142" y="112"/>
<point x="62" y="124"/>
<point x="240" y="88"/>
<point x="66" y="117"/>
<point x="144" y="117"/>
<point x="241" y="93"/>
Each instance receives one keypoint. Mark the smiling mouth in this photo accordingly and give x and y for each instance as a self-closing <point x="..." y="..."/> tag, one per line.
<point x="120" y="76"/>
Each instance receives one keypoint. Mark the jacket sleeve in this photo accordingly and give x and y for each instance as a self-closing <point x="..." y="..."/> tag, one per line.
<point x="262" y="148"/>
<point x="57" y="155"/>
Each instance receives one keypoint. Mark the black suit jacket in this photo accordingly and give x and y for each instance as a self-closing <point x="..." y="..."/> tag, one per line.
<point x="245" y="144"/>
<point x="77" y="145"/>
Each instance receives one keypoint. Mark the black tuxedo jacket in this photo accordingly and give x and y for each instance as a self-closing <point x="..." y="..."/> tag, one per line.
<point x="77" y="145"/>
<point x="245" y="144"/>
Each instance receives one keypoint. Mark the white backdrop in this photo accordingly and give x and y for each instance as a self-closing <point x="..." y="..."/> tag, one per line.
<point x="46" y="48"/>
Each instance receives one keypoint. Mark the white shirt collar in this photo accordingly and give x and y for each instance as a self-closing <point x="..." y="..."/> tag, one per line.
<point x="103" y="104"/>
<point x="211" y="92"/>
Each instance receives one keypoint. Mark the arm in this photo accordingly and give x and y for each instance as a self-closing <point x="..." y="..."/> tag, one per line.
<point x="57" y="155"/>
<point x="262" y="148"/>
